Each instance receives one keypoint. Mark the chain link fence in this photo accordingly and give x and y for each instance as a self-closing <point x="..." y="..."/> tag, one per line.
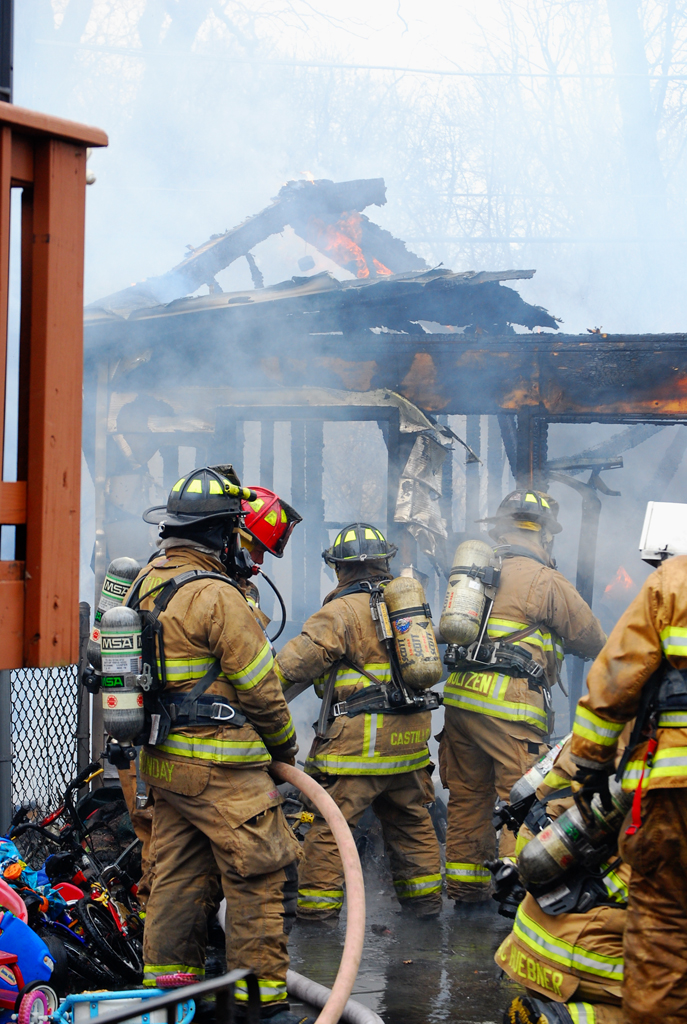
<point x="45" y="719"/>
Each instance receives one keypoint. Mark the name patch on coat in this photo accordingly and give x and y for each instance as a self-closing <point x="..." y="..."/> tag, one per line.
<point x="404" y="739"/>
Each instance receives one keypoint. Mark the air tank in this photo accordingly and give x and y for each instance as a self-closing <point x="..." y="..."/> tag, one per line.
<point x="411" y="624"/>
<point x="533" y="778"/>
<point x="120" y="640"/>
<point x="465" y="597"/>
<point x="121" y="573"/>
<point x="569" y="840"/>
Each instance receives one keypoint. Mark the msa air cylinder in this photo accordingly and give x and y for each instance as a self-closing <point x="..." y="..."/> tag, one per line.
<point x="461" y="616"/>
<point x="119" y="576"/>
<point x="120" y="641"/>
<point x="533" y="778"/>
<point x="569" y="840"/>
<point x="411" y="624"/>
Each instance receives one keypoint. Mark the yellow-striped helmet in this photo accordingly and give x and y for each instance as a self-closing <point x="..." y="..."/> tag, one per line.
<point x="528" y="506"/>
<point x="359" y="542"/>
<point x="209" y="493"/>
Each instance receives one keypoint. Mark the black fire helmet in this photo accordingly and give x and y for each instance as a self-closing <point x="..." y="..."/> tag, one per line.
<point x="359" y="542"/>
<point x="527" y="506"/>
<point x="213" y="492"/>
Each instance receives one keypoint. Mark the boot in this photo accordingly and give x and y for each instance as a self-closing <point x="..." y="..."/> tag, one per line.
<point x="527" y="1010"/>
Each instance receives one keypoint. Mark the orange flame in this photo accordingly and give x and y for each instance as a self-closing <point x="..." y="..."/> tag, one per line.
<point x="381" y="269"/>
<point x="622" y="581"/>
<point x="308" y="175"/>
<point x="341" y="241"/>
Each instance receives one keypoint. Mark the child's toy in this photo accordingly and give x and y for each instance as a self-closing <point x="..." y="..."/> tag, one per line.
<point x="80" y="1009"/>
<point x="25" y="963"/>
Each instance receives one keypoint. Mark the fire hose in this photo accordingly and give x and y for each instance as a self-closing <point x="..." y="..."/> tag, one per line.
<point x="355" y="888"/>
<point x="335" y="1003"/>
<point x="317" y="995"/>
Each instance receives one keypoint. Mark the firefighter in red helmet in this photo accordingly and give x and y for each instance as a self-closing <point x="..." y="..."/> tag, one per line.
<point x="268" y="524"/>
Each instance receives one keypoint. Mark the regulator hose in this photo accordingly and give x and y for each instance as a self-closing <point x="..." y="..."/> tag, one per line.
<point x="355" y="888"/>
<point x="281" y="605"/>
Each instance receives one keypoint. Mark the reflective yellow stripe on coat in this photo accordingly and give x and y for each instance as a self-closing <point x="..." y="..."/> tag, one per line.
<point x="569" y="956"/>
<point x="581" y="1013"/>
<point x="342" y="764"/>
<point x="483" y="693"/>
<point x="669" y="762"/>
<point x="217" y="750"/>
<point x="592" y="727"/>
<point x="367" y="762"/>
<point x="674" y="641"/>
<point x="542" y="638"/>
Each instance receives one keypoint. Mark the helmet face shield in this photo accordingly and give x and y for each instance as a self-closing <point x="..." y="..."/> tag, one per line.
<point x="269" y="520"/>
<point x="359" y="542"/>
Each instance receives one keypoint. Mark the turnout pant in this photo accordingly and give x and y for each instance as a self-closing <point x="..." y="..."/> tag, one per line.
<point x="655" y="948"/>
<point x="195" y="838"/>
<point x="409" y="838"/>
<point x="478" y="761"/>
<point x="142" y="824"/>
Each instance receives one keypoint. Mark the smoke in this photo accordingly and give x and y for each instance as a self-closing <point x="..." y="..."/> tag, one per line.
<point x="521" y="131"/>
<point x="509" y="135"/>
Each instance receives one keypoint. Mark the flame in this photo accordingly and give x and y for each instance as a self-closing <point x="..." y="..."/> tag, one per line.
<point x="341" y="242"/>
<point x="381" y="269"/>
<point x="308" y="175"/>
<point x="622" y="581"/>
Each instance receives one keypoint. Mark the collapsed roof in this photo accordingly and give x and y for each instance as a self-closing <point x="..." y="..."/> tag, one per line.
<point x="393" y="289"/>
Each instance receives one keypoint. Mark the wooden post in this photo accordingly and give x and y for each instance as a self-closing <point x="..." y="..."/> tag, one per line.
<point x="46" y="157"/>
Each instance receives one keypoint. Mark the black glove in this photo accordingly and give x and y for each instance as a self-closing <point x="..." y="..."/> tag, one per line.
<point x="593" y="781"/>
<point x="512" y="815"/>
<point x="508" y="890"/>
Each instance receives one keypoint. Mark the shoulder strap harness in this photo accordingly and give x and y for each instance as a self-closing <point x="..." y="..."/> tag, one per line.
<point x="192" y="708"/>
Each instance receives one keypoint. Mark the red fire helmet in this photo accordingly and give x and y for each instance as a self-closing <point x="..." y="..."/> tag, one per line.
<point x="269" y="520"/>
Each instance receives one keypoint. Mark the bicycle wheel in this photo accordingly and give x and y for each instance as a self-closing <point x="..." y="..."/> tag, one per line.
<point x="33" y="1008"/>
<point x="77" y="965"/>
<point x="122" y="955"/>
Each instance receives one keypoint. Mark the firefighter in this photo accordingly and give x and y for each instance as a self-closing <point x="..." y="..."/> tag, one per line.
<point x="571" y="964"/>
<point x="267" y="526"/>
<point x="216" y="809"/>
<point x="496" y="724"/>
<point x="640" y="672"/>
<point x="370" y="760"/>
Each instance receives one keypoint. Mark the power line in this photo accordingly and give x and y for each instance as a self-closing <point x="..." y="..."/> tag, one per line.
<point x="130" y="51"/>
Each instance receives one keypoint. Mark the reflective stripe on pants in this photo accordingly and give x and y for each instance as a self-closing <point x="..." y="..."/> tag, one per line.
<point x="469" y="874"/>
<point x="409" y="838"/>
<point x="410" y="888"/>
<point x="478" y="760"/>
<point x="320" y="899"/>
<point x="270" y="991"/>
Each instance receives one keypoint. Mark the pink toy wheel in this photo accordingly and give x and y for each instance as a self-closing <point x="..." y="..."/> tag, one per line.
<point x="166" y="981"/>
<point x="33" y="1008"/>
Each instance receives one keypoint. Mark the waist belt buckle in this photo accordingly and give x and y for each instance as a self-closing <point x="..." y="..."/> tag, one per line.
<point x="338" y="710"/>
<point x="536" y="672"/>
<point x="222" y="712"/>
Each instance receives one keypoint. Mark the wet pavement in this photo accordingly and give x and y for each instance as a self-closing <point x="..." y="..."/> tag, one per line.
<point x="415" y="972"/>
